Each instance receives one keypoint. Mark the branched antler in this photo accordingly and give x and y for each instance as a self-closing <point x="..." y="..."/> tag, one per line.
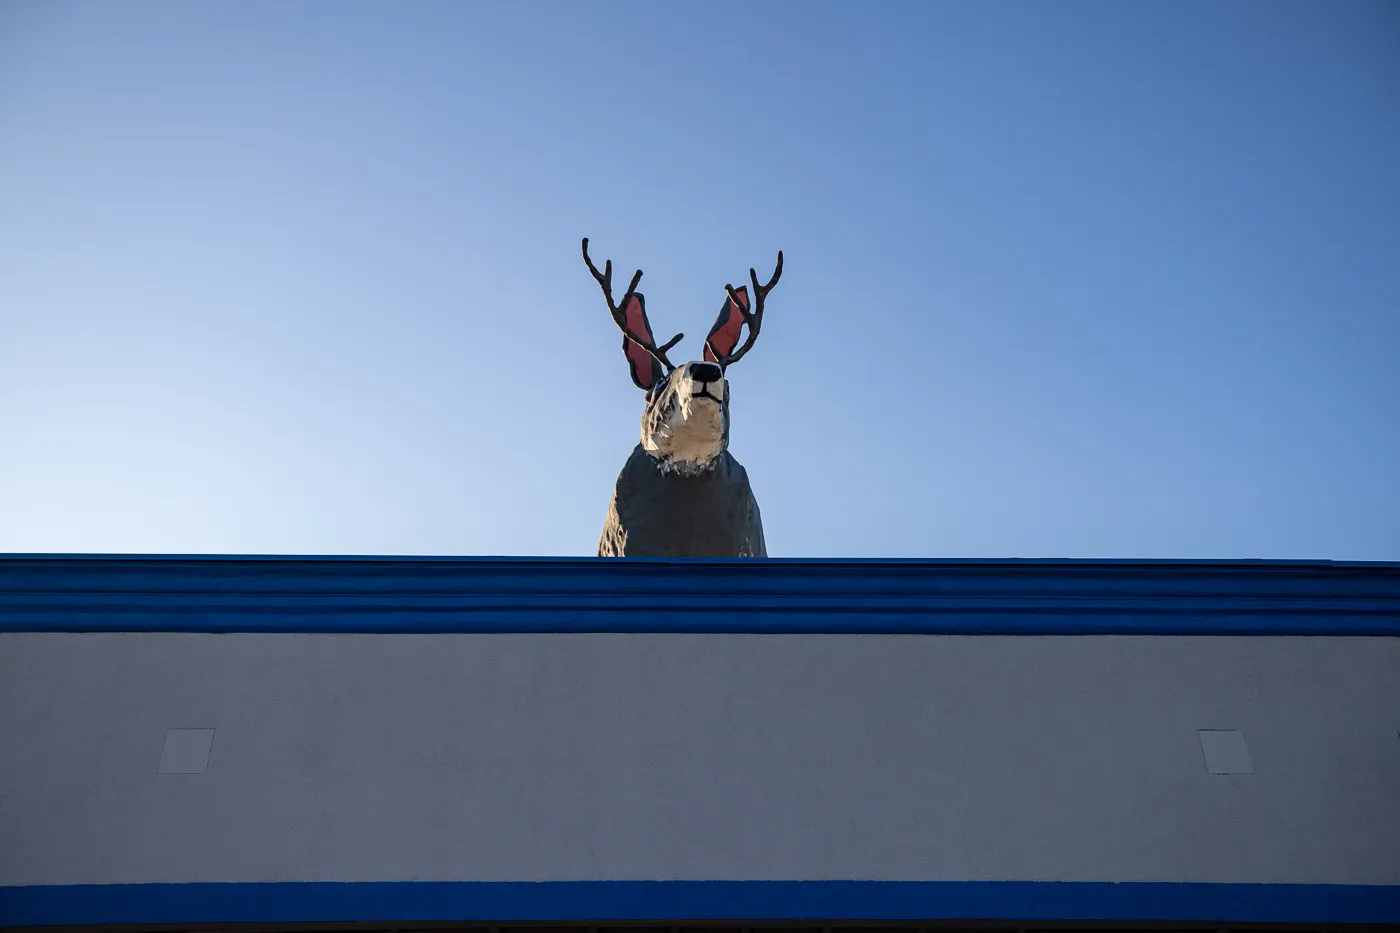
<point x="754" y="318"/>
<point x="619" y="313"/>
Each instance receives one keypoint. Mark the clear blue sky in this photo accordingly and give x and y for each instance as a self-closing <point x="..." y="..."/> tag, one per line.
<point x="1082" y="279"/>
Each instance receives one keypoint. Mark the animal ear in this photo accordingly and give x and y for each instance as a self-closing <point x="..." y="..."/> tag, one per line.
<point x="724" y="336"/>
<point x="646" y="371"/>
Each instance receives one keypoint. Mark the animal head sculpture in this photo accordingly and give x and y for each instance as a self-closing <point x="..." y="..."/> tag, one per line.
<point x="681" y="493"/>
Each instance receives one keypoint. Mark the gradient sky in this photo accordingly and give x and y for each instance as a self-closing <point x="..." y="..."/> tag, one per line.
<point x="1080" y="279"/>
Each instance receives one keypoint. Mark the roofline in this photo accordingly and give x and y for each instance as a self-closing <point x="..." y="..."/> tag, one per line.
<point x="738" y="562"/>
<point x="266" y="593"/>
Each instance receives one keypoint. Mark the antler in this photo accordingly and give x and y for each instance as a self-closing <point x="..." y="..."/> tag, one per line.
<point x="619" y="315"/>
<point x="753" y="318"/>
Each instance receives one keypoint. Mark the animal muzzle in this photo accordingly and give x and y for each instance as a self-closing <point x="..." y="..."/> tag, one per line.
<point x="706" y="382"/>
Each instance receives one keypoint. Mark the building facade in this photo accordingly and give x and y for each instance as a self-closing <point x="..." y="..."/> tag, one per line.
<point x="827" y="744"/>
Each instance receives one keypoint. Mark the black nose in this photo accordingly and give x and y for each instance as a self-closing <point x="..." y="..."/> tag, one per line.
<point x="705" y="372"/>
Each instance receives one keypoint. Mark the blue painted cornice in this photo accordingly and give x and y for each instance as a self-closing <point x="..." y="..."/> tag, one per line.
<point x="89" y="593"/>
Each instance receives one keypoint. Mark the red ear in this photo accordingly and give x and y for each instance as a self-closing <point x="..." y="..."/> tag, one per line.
<point x="646" y="371"/>
<point x="724" y="336"/>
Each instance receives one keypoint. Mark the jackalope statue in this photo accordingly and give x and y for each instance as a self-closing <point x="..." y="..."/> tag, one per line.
<point x="681" y="493"/>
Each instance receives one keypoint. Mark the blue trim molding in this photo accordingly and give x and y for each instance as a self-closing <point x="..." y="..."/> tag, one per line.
<point x="684" y="901"/>
<point x="57" y="593"/>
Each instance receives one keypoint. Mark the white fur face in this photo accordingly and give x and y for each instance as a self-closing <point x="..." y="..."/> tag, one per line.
<point x="686" y="421"/>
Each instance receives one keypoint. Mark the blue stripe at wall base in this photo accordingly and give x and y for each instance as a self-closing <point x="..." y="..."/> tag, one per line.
<point x="564" y="901"/>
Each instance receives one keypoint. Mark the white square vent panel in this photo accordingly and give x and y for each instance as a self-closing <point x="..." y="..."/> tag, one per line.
<point x="1226" y="751"/>
<point x="186" y="751"/>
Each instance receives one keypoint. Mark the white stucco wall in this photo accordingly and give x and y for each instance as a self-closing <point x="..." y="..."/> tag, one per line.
<point x="558" y="757"/>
